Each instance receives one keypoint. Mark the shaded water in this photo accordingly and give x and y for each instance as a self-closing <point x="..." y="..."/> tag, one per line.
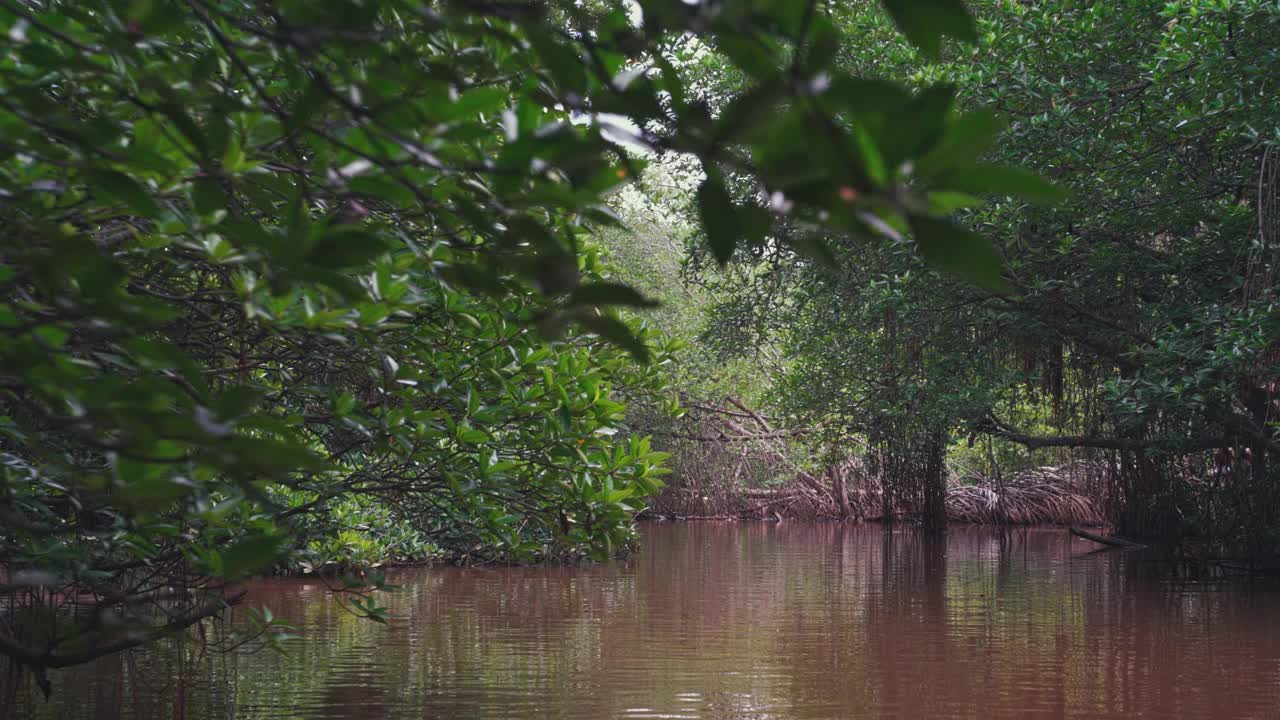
<point x="721" y="621"/>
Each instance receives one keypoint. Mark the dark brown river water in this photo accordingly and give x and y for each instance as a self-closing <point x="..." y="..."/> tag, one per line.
<point x="736" y="621"/>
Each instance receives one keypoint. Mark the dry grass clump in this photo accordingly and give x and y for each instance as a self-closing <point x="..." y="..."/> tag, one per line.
<point x="1041" y="496"/>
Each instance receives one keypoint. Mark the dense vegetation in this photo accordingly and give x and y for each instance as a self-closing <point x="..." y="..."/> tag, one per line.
<point x="1136" y="338"/>
<point x="312" y="285"/>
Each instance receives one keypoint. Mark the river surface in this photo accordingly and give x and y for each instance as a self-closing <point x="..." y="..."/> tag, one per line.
<point x="728" y="621"/>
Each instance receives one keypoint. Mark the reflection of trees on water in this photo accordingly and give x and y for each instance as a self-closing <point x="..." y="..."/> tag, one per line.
<point x="743" y="620"/>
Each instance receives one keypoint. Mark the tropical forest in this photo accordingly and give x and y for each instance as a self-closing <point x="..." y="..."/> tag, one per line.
<point x="707" y="359"/>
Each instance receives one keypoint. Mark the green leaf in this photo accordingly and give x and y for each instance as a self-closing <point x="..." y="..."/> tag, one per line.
<point x="672" y="83"/>
<point x="476" y="101"/>
<point x="618" y="496"/>
<point x="554" y="272"/>
<point x="52" y="335"/>
<point x="186" y="125"/>
<point x="345" y="403"/>
<point x="926" y="22"/>
<point x="617" y="332"/>
<point x="472" y="436"/>
<point x="718" y="216"/>
<point x="122" y="188"/>
<point x="156" y="354"/>
<point x="311" y="103"/>
<point x="999" y="180"/>
<point x="208" y="196"/>
<point x="959" y="251"/>
<point x="945" y="202"/>
<point x="748" y="52"/>
<point x="750" y="110"/>
<point x="823" y="44"/>
<point x="862" y="95"/>
<point x="249" y="556"/>
<point x="917" y="126"/>
<point x="607" y="293"/>
<point x="232" y="153"/>
<point x="152" y="18"/>
<point x="263" y="456"/>
<point x="962" y="143"/>
<point x="147" y="486"/>
<point x="564" y="63"/>
<point x="347" y="247"/>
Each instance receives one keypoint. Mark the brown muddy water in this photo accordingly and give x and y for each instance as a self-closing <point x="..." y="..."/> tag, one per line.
<point x="742" y="620"/>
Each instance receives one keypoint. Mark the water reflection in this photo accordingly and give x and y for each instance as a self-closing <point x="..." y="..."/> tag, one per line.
<point x="721" y="621"/>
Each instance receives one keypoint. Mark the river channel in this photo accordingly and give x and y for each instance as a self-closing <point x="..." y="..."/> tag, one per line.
<point x="721" y="621"/>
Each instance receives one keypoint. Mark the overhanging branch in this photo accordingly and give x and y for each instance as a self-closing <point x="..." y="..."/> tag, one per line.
<point x="995" y="428"/>
<point x="48" y="659"/>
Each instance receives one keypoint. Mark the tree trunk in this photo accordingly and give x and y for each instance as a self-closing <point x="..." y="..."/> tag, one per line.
<point x="839" y="490"/>
<point x="934" y="512"/>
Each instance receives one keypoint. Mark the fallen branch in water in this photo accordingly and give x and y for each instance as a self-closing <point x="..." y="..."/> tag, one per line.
<point x="1110" y="540"/>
